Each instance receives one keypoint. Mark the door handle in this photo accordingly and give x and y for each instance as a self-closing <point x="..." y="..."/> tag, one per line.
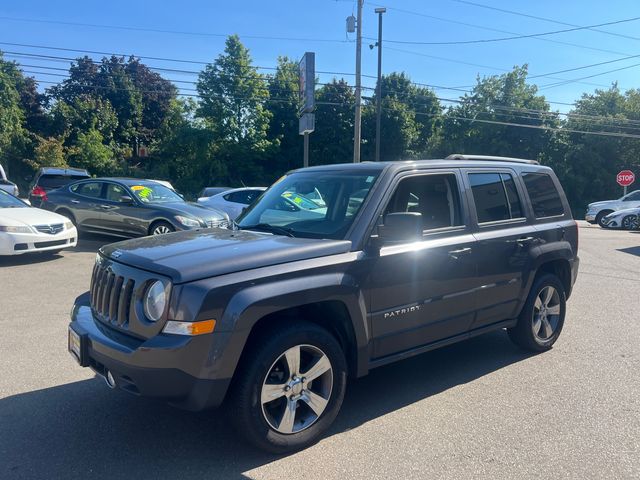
<point x="105" y="207"/>
<point x="75" y="201"/>
<point x="456" y="253"/>
<point x="524" y="240"/>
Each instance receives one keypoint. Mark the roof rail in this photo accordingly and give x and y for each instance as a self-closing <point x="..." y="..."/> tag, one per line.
<point x="491" y="158"/>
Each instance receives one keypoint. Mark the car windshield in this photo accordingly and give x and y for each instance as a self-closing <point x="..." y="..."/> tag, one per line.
<point x="285" y="208"/>
<point x="9" y="201"/>
<point x="155" y="193"/>
<point x="57" y="181"/>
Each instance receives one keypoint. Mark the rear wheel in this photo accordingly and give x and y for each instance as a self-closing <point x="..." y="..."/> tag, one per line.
<point x="289" y="388"/>
<point x="160" y="228"/>
<point x="630" y="222"/>
<point x="600" y="217"/>
<point x="542" y="317"/>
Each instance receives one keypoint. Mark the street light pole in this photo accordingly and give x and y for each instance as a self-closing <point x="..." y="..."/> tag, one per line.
<point x="379" y="11"/>
<point x="358" y="114"/>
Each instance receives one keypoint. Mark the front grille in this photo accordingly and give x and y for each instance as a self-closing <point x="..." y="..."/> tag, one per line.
<point x="50" y="229"/>
<point x="53" y="243"/>
<point x="217" y="224"/>
<point x="111" y="296"/>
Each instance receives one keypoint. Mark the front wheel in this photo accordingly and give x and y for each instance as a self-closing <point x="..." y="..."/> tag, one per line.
<point x="289" y="388"/>
<point x="630" y="222"/>
<point x="542" y="317"/>
<point x="160" y="228"/>
<point x="600" y="218"/>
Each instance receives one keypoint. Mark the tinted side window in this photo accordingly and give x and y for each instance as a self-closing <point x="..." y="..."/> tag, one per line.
<point x="490" y="197"/>
<point x="90" y="189"/>
<point x="633" y="197"/>
<point x="434" y="196"/>
<point x="115" y="192"/>
<point x="544" y="196"/>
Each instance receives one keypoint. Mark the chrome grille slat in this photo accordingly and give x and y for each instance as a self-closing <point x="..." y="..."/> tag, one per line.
<point x="111" y="295"/>
<point x="50" y="229"/>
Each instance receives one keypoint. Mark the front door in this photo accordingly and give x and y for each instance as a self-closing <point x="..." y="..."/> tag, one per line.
<point x="121" y="217"/>
<point x="422" y="292"/>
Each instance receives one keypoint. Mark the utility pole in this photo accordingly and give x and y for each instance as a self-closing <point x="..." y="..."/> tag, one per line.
<point x="358" y="114"/>
<point x="379" y="11"/>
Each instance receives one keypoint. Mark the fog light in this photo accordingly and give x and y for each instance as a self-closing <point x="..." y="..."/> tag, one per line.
<point x="189" y="328"/>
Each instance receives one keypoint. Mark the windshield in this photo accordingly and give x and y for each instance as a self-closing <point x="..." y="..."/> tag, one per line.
<point x="155" y="193"/>
<point x="9" y="201"/>
<point x="57" y="181"/>
<point x="287" y="204"/>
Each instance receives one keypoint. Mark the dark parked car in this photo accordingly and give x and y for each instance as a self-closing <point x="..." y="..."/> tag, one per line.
<point x="406" y="257"/>
<point x="51" y="178"/>
<point x="130" y="207"/>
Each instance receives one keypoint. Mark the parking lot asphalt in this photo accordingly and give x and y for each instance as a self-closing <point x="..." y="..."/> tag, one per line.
<point x="478" y="409"/>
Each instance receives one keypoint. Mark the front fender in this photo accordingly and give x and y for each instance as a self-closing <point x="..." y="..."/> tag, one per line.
<point x="251" y="304"/>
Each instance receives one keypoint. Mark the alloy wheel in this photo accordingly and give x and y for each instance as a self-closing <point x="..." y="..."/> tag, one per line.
<point x="297" y="389"/>
<point x="161" y="230"/>
<point x="546" y="313"/>
<point x="630" y="222"/>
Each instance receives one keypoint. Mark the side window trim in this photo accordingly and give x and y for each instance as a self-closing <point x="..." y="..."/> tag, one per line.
<point x="99" y="182"/>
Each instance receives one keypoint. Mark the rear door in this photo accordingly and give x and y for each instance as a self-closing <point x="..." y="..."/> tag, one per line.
<point x="85" y="203"/>
<point x="505" y="238"/>
<point x="422" y="292"/>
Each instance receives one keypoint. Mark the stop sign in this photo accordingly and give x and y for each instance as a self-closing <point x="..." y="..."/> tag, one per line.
<point x="625" y="178"/>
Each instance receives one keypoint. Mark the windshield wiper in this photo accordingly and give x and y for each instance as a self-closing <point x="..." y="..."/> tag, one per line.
<point x="265" y="227"/>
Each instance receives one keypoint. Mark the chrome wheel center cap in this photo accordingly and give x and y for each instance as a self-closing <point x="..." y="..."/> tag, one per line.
<point x="296" y="386"/>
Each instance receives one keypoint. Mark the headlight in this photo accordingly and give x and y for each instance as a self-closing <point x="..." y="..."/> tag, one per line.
<point x="188" y="222"/>
<point x="155" y="301"/>
<point x="25" y="229"/>
<point x="68" y="225"/>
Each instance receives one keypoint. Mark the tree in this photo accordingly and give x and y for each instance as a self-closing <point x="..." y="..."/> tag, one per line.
<point x="504" y="99"/>
<point x="48" y="152"/>
<point x="332" y="141"/>
<point x="233" y="106"/>
<point x="11" y="113"/>
<point x="89" y="152"/>
<point x="283" y="125"/>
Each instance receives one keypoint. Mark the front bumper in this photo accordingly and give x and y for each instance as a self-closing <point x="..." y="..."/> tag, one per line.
<point x="19" y="243"/>
<point x="590" y="217"/>
<point x="169" y="367"/>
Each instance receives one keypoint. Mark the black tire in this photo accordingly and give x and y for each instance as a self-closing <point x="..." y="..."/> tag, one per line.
<point x="630" y="222"/>
<point x="244" y="402"/>
<point x="600" y="216"/>
<point x="530" y="332"/>
<point x="161" y="227"/>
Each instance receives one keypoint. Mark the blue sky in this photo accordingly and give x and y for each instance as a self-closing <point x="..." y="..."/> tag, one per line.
<point x="319" y="26"/>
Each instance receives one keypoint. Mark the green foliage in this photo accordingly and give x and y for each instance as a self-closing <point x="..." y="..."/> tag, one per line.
<point x="48" y="152"/>
<point x="332" y="141"/>
<point x="90" y="152"/>
<point x="11" y="113"/>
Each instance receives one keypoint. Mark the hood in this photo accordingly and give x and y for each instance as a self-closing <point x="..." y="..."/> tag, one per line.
<point x="196" y="254"/>
<point x="626" y="211"/>
<point x="193" y="209"/>
<point x="28" y="216"/>
<point x="602" y="203"/>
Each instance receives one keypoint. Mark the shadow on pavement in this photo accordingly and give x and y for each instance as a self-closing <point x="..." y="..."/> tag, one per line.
<point x="632" y="250"/>
<point x="85" y="430"/>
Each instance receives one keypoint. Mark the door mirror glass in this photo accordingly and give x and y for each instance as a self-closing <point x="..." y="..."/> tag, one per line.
<point x="126" y="199"/>
<point x="401" y="227"/>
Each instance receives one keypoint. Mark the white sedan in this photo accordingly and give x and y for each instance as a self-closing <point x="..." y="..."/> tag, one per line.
<point x="24" y="229"/>
<point x="233" y="201"/>
<point x="627" y="219"/>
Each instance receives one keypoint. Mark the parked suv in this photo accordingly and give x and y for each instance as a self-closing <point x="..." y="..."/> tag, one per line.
<point x="275" y="316"/>
<point x="52" y="178"/>
<point x="597" y="211"/>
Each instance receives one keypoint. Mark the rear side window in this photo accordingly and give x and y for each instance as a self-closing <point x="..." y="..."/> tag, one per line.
<point x="57" y="181"/>
<point x="495" y="196"/>
<point x="244" y="197"/>
<point x="89" y="189"/>
<point x="544" y="195"/>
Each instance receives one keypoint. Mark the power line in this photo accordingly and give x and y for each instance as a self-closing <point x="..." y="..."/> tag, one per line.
<point x="575" y="80"/>
<point x="515" y="37"/>
<point x="544" y="19"/>
<point x="173" y="32"/>
<point x="490" y="29"/>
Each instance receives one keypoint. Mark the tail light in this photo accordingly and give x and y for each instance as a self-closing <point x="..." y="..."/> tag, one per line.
<point x="38" y="191"/>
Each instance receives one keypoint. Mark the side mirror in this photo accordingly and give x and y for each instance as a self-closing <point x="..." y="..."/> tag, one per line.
<point x="401" y="227"/>
<point x="126" y="199"/>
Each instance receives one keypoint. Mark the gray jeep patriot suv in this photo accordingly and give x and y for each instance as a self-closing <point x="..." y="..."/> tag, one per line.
<point x="333" y="271"/>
